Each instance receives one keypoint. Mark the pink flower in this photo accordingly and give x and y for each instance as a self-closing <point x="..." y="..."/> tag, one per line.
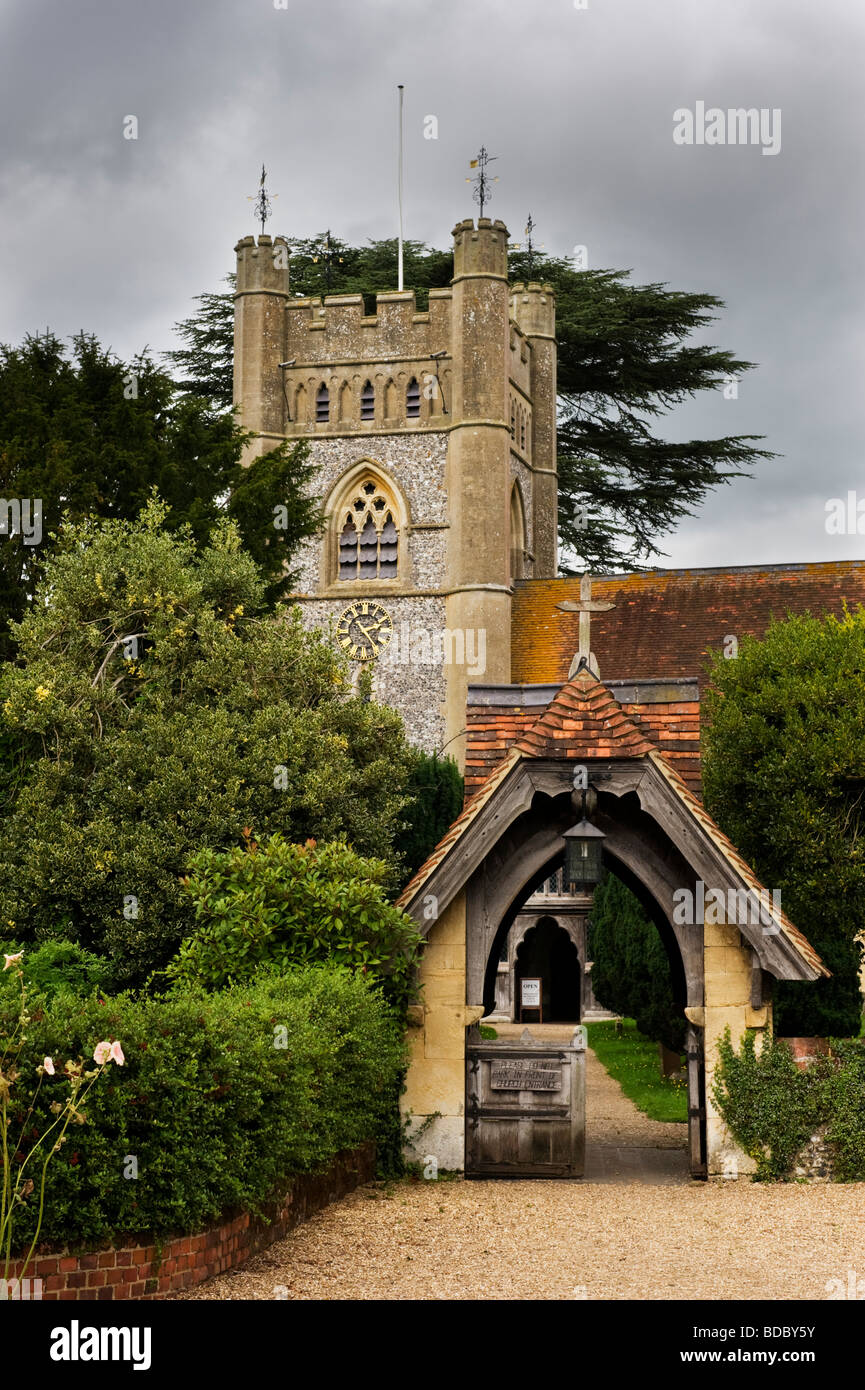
<point x="116" y="1053"/>
<point x="48" y="1066"/>
<point x="101" y="1053"/>
<point x="11" y="960"/>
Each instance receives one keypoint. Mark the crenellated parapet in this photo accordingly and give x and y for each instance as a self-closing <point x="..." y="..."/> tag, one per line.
<point x="336" y="329"/>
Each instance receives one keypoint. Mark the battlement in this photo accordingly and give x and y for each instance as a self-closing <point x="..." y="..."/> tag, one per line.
<point x="262" y="265"/>
<point x="533" y="308"/>
<point x="345" y="333"/>
<point x="481" y="250"/>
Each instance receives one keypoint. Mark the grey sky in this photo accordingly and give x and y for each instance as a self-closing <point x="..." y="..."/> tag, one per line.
<point x="116" y="236"/>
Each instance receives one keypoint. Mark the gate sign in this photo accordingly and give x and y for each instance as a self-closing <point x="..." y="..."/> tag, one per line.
<point x="530" y="993"/>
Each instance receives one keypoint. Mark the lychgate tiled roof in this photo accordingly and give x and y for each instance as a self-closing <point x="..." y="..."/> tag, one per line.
<point x="498" y="717"/>
<point x="584" y="720"/>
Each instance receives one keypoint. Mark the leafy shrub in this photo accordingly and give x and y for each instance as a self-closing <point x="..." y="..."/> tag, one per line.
<point x="436" y="788"/>
<point x="281" y="904"/>
<point x="772" y="1108"/>
<point x="65" y="965"/>
<point x="784" y="775"/>
<point x="843" y="1095"/>
<point x="161" y="711"/>
<point x="768" y="1104"/>
<point x="215" y="1109"/>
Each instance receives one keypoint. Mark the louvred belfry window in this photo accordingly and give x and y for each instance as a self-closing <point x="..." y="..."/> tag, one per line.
<point x="322" y="405"/>
<point x="369" y="539"/>
<point x="412" y="399"/>
<point x="367" y="402"/>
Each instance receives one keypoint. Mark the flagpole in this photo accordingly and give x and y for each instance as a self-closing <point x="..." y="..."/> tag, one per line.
<point x="399" y="190"/>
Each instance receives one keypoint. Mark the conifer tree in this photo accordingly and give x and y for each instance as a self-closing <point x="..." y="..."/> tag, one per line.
<point x="625" y="360"/>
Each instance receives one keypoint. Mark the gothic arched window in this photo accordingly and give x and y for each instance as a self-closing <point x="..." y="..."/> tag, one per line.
<point x="367" y="401"/>
<point x="412" y="399"/>
<point x="368" y="539"/>
<point x="322" y="405"/>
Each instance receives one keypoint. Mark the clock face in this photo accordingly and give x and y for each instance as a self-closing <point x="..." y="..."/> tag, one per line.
<point x="364" y="630"/>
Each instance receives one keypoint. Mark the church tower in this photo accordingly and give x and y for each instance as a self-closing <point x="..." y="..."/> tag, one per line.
<point x="434" y="440"/>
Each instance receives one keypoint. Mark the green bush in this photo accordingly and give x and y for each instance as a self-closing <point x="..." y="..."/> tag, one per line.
<point x="216" y="1111"/>
<point x="281" y="904"/>
<point x="772" y="1108"/>
<point x="155" y="709"/>
<point x="784" y="776"/>
<point x="61" y="964"/>
<point x="630" y="966"/>
<point x="437" y="791"/>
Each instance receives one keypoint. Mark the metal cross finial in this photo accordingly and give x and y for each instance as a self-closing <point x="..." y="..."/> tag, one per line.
<point x="263" y="204"/>
<point x="585" y="658"/>
<point x="482" y="180"/>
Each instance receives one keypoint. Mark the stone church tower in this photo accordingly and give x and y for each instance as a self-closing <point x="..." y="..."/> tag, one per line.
<point x="434" y="437"/>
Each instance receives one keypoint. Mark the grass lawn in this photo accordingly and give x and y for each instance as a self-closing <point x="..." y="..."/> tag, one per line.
<point x="633" y="1061"/>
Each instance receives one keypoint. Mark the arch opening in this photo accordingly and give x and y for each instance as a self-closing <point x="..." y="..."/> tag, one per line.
<point x="547" y="952"/>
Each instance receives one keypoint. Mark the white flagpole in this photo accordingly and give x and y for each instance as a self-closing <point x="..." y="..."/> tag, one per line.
<point x="399" y="189"/>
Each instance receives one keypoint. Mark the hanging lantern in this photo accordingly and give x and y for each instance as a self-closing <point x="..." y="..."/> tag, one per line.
<point x="584" y="866"/>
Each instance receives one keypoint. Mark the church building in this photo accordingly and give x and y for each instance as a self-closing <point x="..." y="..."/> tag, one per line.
<point x="434" y="437"/>
<point x="433" y="434"/>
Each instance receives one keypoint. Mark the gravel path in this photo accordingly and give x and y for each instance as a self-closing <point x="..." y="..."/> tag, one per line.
<point x="453" y="1239"/>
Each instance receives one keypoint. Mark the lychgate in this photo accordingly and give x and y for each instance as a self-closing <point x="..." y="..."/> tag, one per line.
<point x="658" y="838"/>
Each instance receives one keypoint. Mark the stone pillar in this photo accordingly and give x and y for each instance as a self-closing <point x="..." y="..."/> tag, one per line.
<point x="478" y="566"/>
<point x="728" y="963"/>
<point x="533" y="308"/>
<point x="436" y="1078"/>
<point x="260" y="296"/>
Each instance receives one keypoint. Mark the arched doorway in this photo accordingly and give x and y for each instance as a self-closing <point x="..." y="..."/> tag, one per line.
<point x="548" y="953"/>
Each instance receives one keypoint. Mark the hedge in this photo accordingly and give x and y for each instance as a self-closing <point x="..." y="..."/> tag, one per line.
<point x="222" y="1098"/>
<point x="772" y="1108"/>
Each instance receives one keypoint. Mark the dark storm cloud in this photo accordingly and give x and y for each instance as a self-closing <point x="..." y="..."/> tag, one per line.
<point x="116" y="235"/>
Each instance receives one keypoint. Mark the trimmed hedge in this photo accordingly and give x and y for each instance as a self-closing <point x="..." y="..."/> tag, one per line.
<point x="772" y="1108"/>
<point x="218" y="1113"/>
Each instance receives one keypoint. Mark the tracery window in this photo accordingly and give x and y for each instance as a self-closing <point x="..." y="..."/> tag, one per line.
<point x="369" y="539"/>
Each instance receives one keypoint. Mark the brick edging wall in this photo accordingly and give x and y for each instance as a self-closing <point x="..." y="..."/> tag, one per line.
<point x="135" y="1271"/>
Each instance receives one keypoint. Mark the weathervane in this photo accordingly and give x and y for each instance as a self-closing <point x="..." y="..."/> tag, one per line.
<point x="585" y="659"/>
<point x="482" y="180"/>
<point x="263" y="203"/>
<point x="328" y="255"/>
<point x="529" y="245"/>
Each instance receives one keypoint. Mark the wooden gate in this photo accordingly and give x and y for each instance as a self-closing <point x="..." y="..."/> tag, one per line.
<point x="525" y="1107"/>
